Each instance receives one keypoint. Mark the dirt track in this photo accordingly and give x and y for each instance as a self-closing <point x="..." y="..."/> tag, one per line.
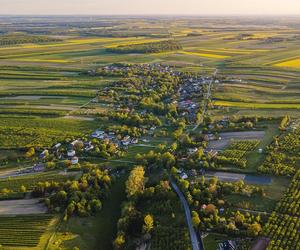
<point x="25" y="206"/>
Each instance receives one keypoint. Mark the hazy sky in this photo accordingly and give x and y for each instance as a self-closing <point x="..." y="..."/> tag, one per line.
<point x="134" y="7"/>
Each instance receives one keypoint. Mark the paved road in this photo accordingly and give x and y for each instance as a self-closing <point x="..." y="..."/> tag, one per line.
<point x="208" y="94"/>
<point x="194" y="238"/>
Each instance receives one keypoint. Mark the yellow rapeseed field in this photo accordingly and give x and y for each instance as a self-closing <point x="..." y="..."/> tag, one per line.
<point x="293" y="63"/>
<point x="258" y="105"/>
<point x="133" y="42"/>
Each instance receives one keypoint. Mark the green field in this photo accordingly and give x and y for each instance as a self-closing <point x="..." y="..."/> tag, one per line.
<point x="58" y="84"/>
<point x="23" y="231"/>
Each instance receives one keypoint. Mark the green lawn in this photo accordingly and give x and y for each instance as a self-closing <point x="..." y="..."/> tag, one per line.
<point x="254" y="158"/>
<point x="93" y="232"/>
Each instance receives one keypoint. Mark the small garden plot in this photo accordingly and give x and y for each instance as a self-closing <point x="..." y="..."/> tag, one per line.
<point x="231" y="153"/>
<point x="23" y="231"/>
<point x="283" y="155"/>
<point x="247" y="145"/>
<point x="236" y="153"/>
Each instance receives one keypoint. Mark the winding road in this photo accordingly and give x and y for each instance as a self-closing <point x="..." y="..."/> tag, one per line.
<point x="193" y="235"/>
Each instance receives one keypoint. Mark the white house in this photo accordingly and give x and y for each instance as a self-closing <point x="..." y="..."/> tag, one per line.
<point x="183" y="176"/>
<point x="74" y="160"/>
<point x="192" y="150"/>
<point x="71" y="153"/>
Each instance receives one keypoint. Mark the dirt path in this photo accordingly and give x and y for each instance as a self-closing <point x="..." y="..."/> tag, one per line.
<point x="21" y="207"/>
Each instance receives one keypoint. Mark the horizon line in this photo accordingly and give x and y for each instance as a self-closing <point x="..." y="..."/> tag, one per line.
<point x="157" y="15"/>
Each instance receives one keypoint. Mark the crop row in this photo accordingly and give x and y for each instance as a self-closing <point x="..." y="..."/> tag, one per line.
<point x="11" y="137"/>
<point x="283" y="230"/>
<point x="233" y="153"/>
<point x="283" y="155"/>
<point x="23" y="231"/>
<point x="30" y="181"/>
<point x="247" y="145"/>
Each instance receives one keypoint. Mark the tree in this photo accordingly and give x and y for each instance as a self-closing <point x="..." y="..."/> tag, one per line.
<point x="231" y="226"/>
<point x="119" y="241"/>
<point x="213" y="181"/>
<point x="23" y="189"/>
<point x="61" y="197"/>
<point x="95" y="205"/>
<point x="239" y="218"/>
<point x="173" y="147"/>
<point x="195" y="219"/>
<point x="148" y="223"/>
<point x="136" y="181"/>
<point x="30" y="153"/>
<point x="168" y="159"/>
<point x="254" y="229"/>
<point x="70" y="208"/>
<point x="210" y="209"/>
<point x="284" y="122"/>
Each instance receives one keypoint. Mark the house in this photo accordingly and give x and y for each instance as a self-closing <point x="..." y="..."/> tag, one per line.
<point x="71" y="153"/>
<point x="192" y="150"/>
<point x="211" y="126"/>
<point x="38" y="167"/>
<point x="74" y="142"/>
<point x="125" y="143"/>
<point x="57" y="146"/>
<point x="97" y="133"/>
<point x="134" y="141"/>
<point x="213" y="153"/>
<point x="183" y="176"/>
<point x="203" y="206"/>
<point x="44" y="154"/>
<point x="88" y="146"/>
<point x="101" y="137"/>
<point x="74" y="160"/>
<point x="126" y="140"/>
<point x="228" y="245"/>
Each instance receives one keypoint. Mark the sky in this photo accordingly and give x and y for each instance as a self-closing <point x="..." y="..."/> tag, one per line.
<point x="150" y="7"/>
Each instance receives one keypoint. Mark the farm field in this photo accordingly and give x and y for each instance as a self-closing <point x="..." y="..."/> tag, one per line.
<point x="100" y="115"/>
<point x="24" y="231"/>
